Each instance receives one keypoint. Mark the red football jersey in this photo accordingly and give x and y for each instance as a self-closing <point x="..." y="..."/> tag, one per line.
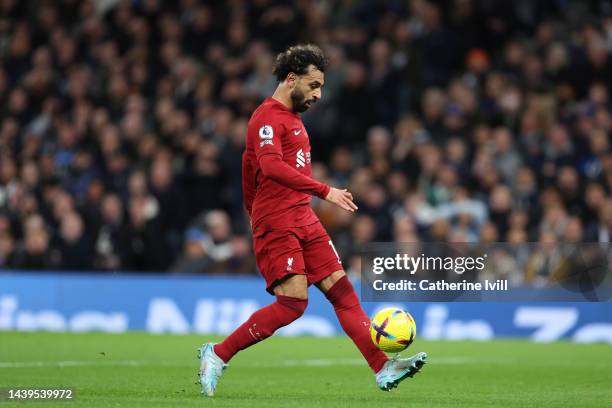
<point x="276" y="170"/>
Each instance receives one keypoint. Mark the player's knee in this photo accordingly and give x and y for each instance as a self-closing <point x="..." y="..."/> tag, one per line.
<point x="326" y="284"/>
<point x="342" y="294"/>
<point x="295" y="286"/>
<point x="294" y="307"/>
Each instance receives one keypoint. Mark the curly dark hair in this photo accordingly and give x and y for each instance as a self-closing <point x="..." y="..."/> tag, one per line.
<point x="297" y="59"/>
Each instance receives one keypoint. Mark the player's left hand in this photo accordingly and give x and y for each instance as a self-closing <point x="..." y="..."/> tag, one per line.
<point x="342" y="198"/>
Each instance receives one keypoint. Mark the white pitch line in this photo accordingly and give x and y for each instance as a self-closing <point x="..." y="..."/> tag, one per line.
<point x="70" y="363"/>
<point x="285" y="363"/>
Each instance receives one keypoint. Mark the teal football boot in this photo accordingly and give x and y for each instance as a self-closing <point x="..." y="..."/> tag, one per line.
<point x="211" y="368"/>
<point x="397" y="369"/>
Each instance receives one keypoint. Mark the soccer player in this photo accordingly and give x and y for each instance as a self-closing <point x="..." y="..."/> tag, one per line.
<point x="292" y="249"/>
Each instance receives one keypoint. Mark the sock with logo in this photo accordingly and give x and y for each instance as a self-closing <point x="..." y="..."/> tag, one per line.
<point x="355" y="322"/>
<point x="261" y="325"/>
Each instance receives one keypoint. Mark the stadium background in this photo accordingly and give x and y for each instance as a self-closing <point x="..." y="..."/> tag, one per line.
<point x="122" y="125"/>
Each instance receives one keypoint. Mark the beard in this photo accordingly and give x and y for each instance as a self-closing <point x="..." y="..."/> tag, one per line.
<point x="299" y="102"/>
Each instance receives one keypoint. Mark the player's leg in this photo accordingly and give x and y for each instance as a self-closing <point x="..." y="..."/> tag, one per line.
<point x="280" y="261"/>
<point x="324" y="268"/>
<point x="389" y="373"/>
<point x="291" y="301"/>
<point x="354" y="321"/>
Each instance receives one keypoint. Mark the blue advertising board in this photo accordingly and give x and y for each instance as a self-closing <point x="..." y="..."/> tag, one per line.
<point x="218" y="304"/>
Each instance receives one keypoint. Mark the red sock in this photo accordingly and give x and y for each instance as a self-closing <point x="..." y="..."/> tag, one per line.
<point x="355" y="322"/>
<point x="261" y="325"/>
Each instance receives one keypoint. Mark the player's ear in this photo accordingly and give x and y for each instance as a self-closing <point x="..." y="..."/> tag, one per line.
<point x="291" y="79"/>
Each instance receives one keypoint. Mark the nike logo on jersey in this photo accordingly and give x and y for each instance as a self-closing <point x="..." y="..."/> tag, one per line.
<point x="297" y="132"/>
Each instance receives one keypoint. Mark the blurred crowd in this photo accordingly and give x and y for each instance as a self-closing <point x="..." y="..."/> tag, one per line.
<point x="122" y="125"/>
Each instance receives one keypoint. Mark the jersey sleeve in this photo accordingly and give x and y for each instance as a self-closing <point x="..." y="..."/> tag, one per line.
<point x="268" y="138"/>
<point x="273" y="167"/>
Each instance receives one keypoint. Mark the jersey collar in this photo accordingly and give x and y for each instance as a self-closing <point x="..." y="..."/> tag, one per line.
<point x="280" y="105"/>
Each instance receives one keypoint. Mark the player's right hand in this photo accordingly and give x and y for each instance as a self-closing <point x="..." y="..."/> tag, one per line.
<point x="342" y="198"/>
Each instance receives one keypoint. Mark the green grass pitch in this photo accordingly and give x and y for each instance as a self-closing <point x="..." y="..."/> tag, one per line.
<point x="143" y="370"/>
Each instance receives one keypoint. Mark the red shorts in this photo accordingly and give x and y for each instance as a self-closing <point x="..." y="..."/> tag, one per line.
<point x="304" y="250"/>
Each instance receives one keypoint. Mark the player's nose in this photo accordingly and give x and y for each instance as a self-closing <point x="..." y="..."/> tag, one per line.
<point x="316" y="94"/>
